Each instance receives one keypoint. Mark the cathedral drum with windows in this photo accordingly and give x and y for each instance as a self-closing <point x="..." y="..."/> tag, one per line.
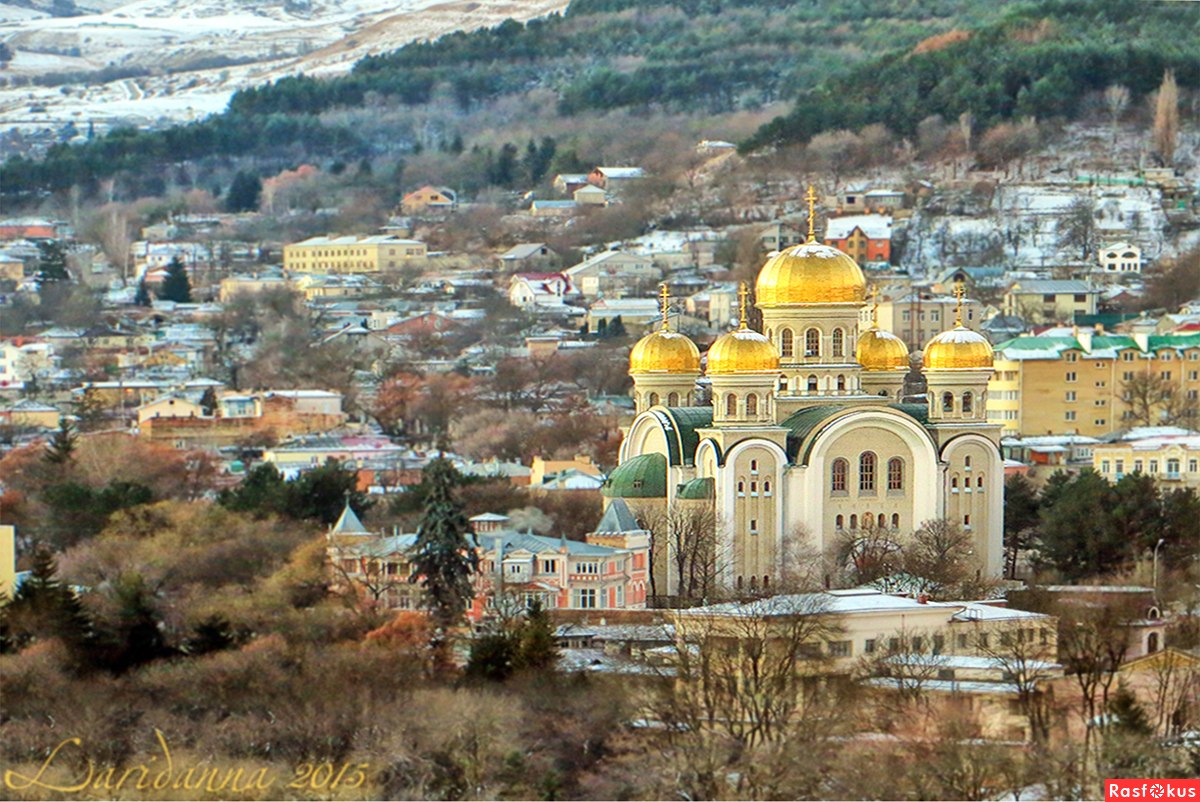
<point x="806" y="440"/>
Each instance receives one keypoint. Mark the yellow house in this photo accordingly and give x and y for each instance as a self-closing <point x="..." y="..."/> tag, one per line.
<point x="429" y="198"/>
<point x="250" y="285"/>
<point x="8" y="560"/>
<point x="1074" y="381"/>
<point x="542" y="468"/>
<point x="1172" y="459"/>
<point x="169" y="406"/>
<point x="31" y="414"/>
<point x="373" y="254"/>
<point x="1048" y="301"/>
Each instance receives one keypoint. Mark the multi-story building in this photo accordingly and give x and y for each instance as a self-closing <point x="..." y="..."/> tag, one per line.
<point x="1048" y="301"/>
<point x="1074" y="381"/>
<point x="608" y="571"/>
<point x="917" y="316"/>
<point x="1121" y="258"/>
<point x="352" y="254"/>
<point x="865" y="237"/>
<point x="1170" y="458"/>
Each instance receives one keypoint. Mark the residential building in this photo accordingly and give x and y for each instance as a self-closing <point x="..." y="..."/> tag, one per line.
<point x="270" y="415"/>
<point x="613" y="274"/>
<point x="8" y="560"/>
<point x="915" y="317"/>
<point x="1072" y="381"/>
<point x="716" y="305"/>
<point x="1121" y="257"/>
<point x="1049" y="301"/>
<point x="350" y="254"/>
<point x="31" y="228"/>
<point x="1172" y="459"/>
<point x="528" y="255"/>
<point x="634" y="313"/>
<point x="612" y="178"/>
<point x="30" y="414"/>
<point x="864" y="237"/>
<point x="590" y="196"/>
<point x="878" y="201"/>
<point x="429" y="199"/>
<point x="531" y="290"/>
<point x="608" y="571"/>
<point x="567" y="183"/>
<point x="250" y="284"/>
<point x="552" y="208"/>
<point x="780" y="235"/>
<point x="543" y="469"/>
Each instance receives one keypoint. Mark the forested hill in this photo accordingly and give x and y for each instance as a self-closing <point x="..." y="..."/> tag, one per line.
<point x="1042" y="62"/>
<point x="844" y="62"/>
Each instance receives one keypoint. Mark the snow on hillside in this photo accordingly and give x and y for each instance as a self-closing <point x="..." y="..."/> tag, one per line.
<point x="267" y="39"/>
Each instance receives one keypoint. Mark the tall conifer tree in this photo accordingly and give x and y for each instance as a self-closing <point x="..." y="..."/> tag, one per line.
<point x="446" y="558"/>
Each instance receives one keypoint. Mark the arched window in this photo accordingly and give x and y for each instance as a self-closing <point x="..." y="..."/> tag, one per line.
<point x="968" y="403"/>
<point x="752" y="404"/>
<point x="753" y="583"/>
<point x="882" y="521"/>
<point x="753" y="463"/>
<point x="866" y="472"/>
<point x="731" y="405"/>
<point x="854" y="522"/>
<point x="812" y="343"/>
<point x="838" y="479"/>
<point x="839" y="522"/>
<point x="741" y="488"/>
<point x="767" y="487"/>
<point x="673" y="400"/>
<point x="839" y="342"/>
<point x="841" y="383"/>
<point x="895" y="474"/>
<point x="786" y="342"/>
<point x="653" y="399"/>
<point x="739" y="583"/>
<point x="1152" y="643"/>
<point x="766" y="581"/>
<point x="967" y="461"/>
<point x="979" y="483"/>
<point x="812" y="384"/>
<point x="954" y="483"/>
<point x="947" y="402"/>
<point x="895" y="520"/>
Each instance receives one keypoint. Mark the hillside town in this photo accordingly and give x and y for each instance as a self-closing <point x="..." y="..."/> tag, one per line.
<point x="922" y="428"/>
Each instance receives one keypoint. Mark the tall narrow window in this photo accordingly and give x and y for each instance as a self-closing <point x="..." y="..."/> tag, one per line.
<point x="841" y="383"/>
<point x="653" y="399"/>
<point x="854" y="522"/>
<point x="838" y="480"/>
<point x="881" y="521"/>
<point x="731" y="406"/>
<point x="968" y="403"/>
<point x="839" y="522"/>
<point x="839" y="342"/>
<point x="866" y="472"/>
<point x="895" y="520"/>
<point x="812" y="343"/>
<point x="812" y="384"/>
<point x="752" y="404"/>
<point x="947" y="402"/>
<point x="895" y="474"/>
<point x="673" y="399"/>
<point x="786" y="344"/>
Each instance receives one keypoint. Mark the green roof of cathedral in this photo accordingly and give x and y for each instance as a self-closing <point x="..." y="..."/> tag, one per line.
<point x="806" y="421"/>
<point x="681" y="450"/>
<point x="702" y="488"/>
<point x="644" y="476"/>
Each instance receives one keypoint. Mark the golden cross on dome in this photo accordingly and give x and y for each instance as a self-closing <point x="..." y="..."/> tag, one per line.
<point x="811" y="198"/>
<point x="743" y="294"/>
<point x="959" y="292"/>
<point x="875" y="305"/>
<point x="664" y="303"/>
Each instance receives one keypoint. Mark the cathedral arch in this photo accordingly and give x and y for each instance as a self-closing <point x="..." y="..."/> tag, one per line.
<point x="947" y="402"/>
<point x="841" y="383"/>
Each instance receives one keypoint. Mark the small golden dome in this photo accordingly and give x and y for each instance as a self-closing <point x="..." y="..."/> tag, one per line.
<point x="958" y="348"/>
<point x="742" y="351"/>
<point x="810" y="273"/>
<point x="881" y="350"/>
<point x="664" y="352"/>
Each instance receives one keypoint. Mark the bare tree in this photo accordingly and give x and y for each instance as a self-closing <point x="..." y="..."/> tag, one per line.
<point x="940" y="558"/>
<point x="1152" y="400"/>
<point x="1077" y="228"/>
<point x="1166" y="118"/>
<point x="1116" y="98"/>
<point x="1175" y="689"/>
<point x="683" y="540"/>
<point x="904" y="663"/>
<point x="867" y="554"/>
<point x="1026" y="656"/>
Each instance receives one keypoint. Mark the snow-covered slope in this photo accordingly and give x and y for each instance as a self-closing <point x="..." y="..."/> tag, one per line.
<point x="255" y="41"/>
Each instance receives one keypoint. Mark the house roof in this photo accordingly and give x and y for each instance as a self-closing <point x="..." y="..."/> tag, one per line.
<point x="617" y="518"/>
<point x="874" y="226"/>
<point x="643" y="476"/>
<point x="349" y="524"/>
<point x="523" y="250"/>
<point x="621" y="172"/>
<point x="1052" y="286"/>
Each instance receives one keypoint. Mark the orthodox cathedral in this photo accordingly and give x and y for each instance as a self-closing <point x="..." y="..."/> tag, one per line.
<point x="806" y="436"/>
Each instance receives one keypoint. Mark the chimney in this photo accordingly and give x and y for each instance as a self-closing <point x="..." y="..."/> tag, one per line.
<point x="1084" y="336"/>
<point x="922" y="598"/>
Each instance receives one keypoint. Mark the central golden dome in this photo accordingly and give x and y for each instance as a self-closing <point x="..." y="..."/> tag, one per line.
<point x="664" y="352"/>
<point x="958" y="348"/>
<point x="810" y="273"/>
<point x="742" y="351"/>
<point x="881" y="350"/>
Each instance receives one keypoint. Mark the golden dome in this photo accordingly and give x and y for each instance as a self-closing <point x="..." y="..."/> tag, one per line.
<point x="958" y="348"/>
<point x="810" y="273"/>
<point x="742" y="351"/>
<point x="881" y="350"/>
<point x="664" y="352"/>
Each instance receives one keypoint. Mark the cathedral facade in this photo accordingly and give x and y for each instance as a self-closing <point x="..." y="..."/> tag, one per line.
<point x="806" y="439"/>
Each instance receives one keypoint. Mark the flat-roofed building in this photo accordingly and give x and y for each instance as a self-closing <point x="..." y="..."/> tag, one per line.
<point x="373" y="254"/>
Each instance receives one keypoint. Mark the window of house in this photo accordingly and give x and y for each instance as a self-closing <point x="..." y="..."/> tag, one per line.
<point x="895" y="520"/>
<point x="895" y="474"/>
<point x="839" y="472"/>
<point x="731" y="405"/>
<point x="752" y="404"/>
<point x="839" y="342"/>
<point x="866" y="472"/>
<point x="786" y="344"/>
<point x="812" y="384"/>
<point x="549" y="566"/>
<point x="839" y="648"/>
<point x="812" y="343"/>
<point x="841" y="383"/>
<point x="839" y="522"/>
<point x="1071" y="376"/>
<point x="947" y="402"/>
<point x="968" y="403"/>
<point x="869" y="646"/>
<point x="585" y="598"/>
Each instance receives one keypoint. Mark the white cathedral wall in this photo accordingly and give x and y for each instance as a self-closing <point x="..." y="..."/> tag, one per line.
<point x="984" y="505"/>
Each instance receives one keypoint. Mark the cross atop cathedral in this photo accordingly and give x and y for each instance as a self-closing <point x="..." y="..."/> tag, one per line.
<point x="959" y="292"/>
<point x="664" y="303"/>
<point x="875" y="305"/>
<point x="743" y="294"/>
<point x="810" y="197"/>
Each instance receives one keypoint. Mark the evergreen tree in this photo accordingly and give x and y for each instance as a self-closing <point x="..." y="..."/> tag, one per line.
<point x="263" y="492"/>
<point x="1020" y="518"/>
<point x="213" y="634"/>
<point x="1130" y="717"/>
<point x="1077" y="534"/>
<point x="616" y="329"/>
<point x="244" y="193"/>
<point x="52" y="264"/>
<point x="176" y="285"/>
<point x="44" y="607"/>
<point x="493" y="656"/>
<point x="445" y="549"/>
<point x="322" y="493"/>
<point x="456" y="144"/>
<point x="142" y="298"/>
<point x="61" y="448"/>
<point x="538" y="649"/>
<point x="137" y="636"/>
<point x="88" y="410"/>
<point x="208" y="401"/>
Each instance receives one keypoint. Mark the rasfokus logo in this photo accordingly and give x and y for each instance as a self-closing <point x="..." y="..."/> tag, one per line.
<point x="1152" y="790"/>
